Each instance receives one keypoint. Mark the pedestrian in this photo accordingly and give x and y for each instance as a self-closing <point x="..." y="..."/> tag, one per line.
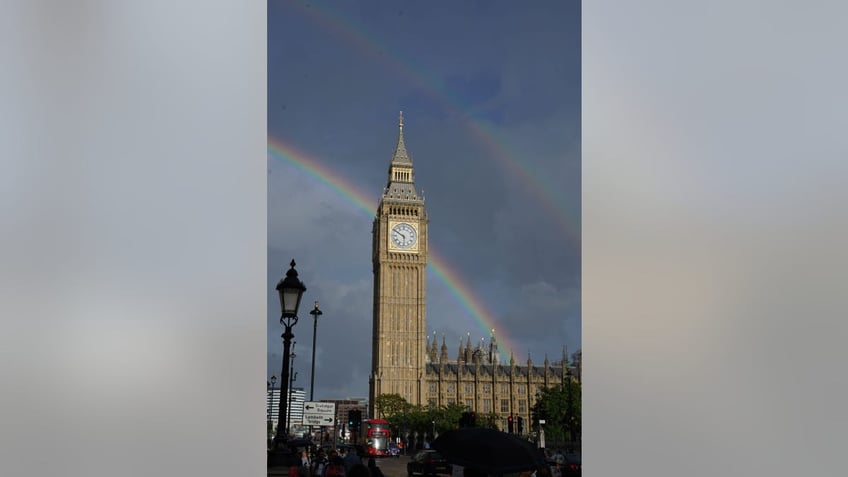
<point x="335" y="468"/>
<point x="359" y="470"/>
<point x="319" y="463"/>
<point x="372" y="466"/>
<point x="351" y="459"/>
<point x="305" y="468"/>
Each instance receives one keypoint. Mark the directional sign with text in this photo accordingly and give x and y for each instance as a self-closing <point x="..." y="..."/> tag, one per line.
<point x="319" y="413"/>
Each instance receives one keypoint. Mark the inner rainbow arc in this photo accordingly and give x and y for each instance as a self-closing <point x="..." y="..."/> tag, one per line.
<point x="449" y="276"/>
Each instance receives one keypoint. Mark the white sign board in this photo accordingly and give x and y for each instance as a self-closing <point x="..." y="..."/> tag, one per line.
<point x="319" y="413"/>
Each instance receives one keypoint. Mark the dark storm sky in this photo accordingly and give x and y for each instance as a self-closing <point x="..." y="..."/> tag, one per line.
<point x="490" y="92"/>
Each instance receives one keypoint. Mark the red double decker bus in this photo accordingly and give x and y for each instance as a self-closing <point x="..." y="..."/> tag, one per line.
<point x="377" y="436"/>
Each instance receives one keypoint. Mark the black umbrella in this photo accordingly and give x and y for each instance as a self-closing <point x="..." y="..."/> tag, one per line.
<point x="488" y="450"/>
<point x="299" y="443"/>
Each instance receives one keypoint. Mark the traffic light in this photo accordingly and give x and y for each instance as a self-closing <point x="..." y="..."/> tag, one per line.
<point x="357" y="420"/>
<point x="520" y="425"/>
<point x="350" y="416"/>
<point x="472" y="420"/>
<point x="509" y="425"/>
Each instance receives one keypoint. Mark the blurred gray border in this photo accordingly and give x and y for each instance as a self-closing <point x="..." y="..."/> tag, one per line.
<point x="714" y="238"/>
<point x="133" y="245"/>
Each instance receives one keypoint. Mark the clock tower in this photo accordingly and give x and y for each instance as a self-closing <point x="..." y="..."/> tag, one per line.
<point x="399" y="255"/>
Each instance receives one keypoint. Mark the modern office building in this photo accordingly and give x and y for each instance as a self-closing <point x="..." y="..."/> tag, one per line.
<point x="295" y="404"/>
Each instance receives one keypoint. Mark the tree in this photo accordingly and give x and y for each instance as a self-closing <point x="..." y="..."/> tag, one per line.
<point x="490" y="420"/>
<point x="407" y="418"/>
<point x="560" y="406"/>
<point x="390" y="405"/>
<point x="450" y="415"/>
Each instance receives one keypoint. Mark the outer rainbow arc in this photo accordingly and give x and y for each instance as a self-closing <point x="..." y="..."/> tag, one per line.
<point x="533" y="183"/>
<point x="351" y="194"/>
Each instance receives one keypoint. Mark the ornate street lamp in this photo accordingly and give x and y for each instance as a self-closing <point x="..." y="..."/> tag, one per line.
<point x="292" y="379"/>
<point x="290" y="290"/>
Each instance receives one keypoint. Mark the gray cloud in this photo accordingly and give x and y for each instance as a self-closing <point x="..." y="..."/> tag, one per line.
<point x="338" y="103"/>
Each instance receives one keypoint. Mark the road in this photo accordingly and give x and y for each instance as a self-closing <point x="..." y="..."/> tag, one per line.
<point x="392" y="466"/>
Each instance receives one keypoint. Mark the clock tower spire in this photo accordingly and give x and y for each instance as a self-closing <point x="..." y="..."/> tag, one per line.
<point x="399" y="257"/>
<point x="401" y="184"/>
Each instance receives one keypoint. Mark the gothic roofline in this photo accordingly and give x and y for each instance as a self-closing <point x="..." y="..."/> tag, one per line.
<point x="451" y="368"/>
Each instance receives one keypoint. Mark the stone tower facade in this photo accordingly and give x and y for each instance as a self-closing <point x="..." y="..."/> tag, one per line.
<point x="399" y="255"/>
<point x="404" y="360"/>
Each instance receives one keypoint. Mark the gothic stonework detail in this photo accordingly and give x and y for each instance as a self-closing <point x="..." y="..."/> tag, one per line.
<point x="404" y="360"/>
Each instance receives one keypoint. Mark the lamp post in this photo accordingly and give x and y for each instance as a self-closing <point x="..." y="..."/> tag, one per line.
<point x="290" y="290"/>
<point x="569" y="416"/>
<point x="292" y="378"/>
<point x="271" y="405"/>
<point x="315" y="314"/>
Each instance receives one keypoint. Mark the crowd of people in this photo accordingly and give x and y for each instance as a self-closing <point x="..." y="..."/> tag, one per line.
<point x="317" y="462"/>
<point x="334" y="464"/>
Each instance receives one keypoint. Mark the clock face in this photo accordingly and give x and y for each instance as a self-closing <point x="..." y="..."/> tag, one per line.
<point x="403" y="235"/>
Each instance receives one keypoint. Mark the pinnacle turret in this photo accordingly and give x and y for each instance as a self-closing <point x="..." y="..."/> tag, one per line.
<point x="494" y="354"/>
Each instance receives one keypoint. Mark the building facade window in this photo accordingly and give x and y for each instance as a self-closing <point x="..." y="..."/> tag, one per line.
<point x="451" y="402"/>
<point x="487" y="389"/>
<point x="432" y="387"/>
<point x="504" y="405"/>
<point x="451" y="388"/>
<point x="468" y="389"/>
<point x="504" y="388"/>
<point x="469" y="404"/>
<point x="522" y="406"/>
<point x="520" y="389"/>
<point x="487" y="405"/>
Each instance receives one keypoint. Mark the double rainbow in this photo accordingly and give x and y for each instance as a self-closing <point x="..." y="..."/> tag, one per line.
<point x="459" y="288"/>
<point x="534" y="182"/>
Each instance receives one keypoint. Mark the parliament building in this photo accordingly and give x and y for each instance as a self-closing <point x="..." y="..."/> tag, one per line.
<point x="404" y="359"/>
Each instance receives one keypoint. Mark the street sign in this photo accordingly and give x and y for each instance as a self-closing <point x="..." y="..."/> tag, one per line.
<point x="319" y="413"/>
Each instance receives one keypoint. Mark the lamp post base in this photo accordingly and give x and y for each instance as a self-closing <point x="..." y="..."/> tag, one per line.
<point x="280" y="456"/>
